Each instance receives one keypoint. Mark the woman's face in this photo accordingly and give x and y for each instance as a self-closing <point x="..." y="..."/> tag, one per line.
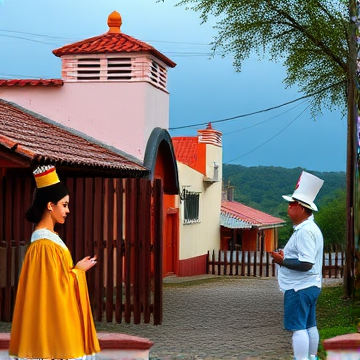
<point x="60" y="210"/>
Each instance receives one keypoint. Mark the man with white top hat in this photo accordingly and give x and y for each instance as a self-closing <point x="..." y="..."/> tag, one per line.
<point x="300" y="268"/>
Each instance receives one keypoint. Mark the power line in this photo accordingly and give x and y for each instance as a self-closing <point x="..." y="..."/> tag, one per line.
<point x="187" y="54"/>
<point x="177" y="42"/>
<point x="64" y="38"/>
<point x="259" y="111"/>
<point x="67" y="39"/>
<point x="262" y="122"/>
<point x="33" y="34"/>
<point x="27" y="39"/>
<point x="249" y="152"/>
<point x="12" y="76"/>
<point x="55" y="42"/>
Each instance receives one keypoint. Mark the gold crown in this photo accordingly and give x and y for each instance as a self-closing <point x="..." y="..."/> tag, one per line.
<point x="45" y="176"/>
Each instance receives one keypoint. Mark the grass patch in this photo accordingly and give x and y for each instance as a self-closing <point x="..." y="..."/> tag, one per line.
<point x="335" y="315"/>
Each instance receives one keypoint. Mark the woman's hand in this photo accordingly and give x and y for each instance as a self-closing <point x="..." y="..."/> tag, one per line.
<point x="86" y="263"/>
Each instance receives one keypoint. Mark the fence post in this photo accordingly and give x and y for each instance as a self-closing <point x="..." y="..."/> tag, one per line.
<point x="225" y="262"/>
<point x="139" y="217"/>
<point x="110" y="252"/>
<point x="255" y="262"/>
<point x="147" y="253"/>
<point x="99" y="250"/>
<point x="330" y="264"/>
<point x="231" y="262"/>
<point x="129" y="240"/>
<point x="237" y="263"/>
<point x="213" y="263"/>
<point x="119" y="250"/>
<point x="207" y="262"/>
<point x="218" y="263"/>
<point x="158" y="251"/>
<point x="336" y="264"/>
<point x="248" y="263"/>
<point x="242" y="263"/>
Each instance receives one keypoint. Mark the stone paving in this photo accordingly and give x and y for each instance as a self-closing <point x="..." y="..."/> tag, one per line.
<point x="232" y="318"/>
<point x="229" y="319"/>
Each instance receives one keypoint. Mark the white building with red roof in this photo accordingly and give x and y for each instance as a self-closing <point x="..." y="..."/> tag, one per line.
<point x="211" y="221"/>
<point x="247" y="229"/>
<point x="199" y="161"/>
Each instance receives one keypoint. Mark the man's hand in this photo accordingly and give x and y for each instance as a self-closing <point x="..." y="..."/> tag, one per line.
<point x="278" y="256"/>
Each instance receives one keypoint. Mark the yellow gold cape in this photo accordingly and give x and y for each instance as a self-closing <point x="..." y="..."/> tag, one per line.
<point x="52" y="316"/>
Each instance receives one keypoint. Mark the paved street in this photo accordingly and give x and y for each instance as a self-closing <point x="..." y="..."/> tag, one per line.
<point x="228" y="318"/>
<point x="236" y="318"/>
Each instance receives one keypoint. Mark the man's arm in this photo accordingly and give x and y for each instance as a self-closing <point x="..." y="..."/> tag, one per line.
<point x="293" y="264"/>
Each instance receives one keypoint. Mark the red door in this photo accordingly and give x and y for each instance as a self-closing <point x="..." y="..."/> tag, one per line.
<point x="170" y="243"/>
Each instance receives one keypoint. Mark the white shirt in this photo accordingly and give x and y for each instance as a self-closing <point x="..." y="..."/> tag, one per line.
<point x="305" y="244"/>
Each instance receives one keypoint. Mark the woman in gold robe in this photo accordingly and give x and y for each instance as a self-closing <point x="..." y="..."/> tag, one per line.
<point x="52" y="316"/>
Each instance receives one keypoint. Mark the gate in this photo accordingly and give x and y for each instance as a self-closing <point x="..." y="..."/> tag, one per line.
<point x="119" y="220"/>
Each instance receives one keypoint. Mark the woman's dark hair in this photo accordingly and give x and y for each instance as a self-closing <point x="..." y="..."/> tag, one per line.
<point x="52" y="193"/>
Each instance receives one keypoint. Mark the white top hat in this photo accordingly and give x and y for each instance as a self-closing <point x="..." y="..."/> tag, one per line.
<point x="306" y="190"/>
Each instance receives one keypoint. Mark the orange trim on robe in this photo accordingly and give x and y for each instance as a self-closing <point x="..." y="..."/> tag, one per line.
<point x="52" y="315"/>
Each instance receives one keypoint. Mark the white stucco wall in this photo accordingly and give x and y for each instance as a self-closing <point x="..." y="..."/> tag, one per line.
<point x="120" y="114"/>
<point x="198" y="238"/>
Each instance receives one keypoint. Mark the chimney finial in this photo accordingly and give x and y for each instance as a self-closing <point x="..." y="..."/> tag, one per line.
<point x="114" y="22"/>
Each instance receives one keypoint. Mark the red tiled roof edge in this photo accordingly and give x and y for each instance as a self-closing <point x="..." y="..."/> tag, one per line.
<point x="101" y="44"/>
<point x="31" y="82"/>
<point x="185" y="148"/>
<point x="125" y="162"/>
<point x="263" y="220"/>
<point x="14" y="146"/>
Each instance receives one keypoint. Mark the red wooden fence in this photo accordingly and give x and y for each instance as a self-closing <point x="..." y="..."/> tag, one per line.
<point x="255" y="263"/>
<point x="119" y="220"/>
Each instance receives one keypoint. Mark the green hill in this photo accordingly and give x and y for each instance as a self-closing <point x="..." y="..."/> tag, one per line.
<point x="261" y="187"/>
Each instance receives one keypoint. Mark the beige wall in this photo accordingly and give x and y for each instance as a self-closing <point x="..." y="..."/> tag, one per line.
<point x="198" y="238"/>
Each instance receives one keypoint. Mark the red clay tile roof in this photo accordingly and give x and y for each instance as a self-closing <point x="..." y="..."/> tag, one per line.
<point x="31" y="82"/>
<point x="249" y="215"/>
<point x="43" y="141"/>
<point x="186" y="149"/>
<point x="111" y="43"/>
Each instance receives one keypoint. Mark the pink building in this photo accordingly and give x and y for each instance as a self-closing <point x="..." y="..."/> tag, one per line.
<point x="114" y="90"/>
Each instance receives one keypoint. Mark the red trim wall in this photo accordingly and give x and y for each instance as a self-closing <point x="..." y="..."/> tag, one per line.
<point x="192" y="266"/>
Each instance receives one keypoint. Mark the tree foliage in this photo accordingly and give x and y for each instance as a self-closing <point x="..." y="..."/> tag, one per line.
<point x="332" y="220"/>
<point x="309" y="36"/>
<point x="262" y="187"/>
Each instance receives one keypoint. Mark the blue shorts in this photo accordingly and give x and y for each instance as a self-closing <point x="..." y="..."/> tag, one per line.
<point x="300" y="308"/>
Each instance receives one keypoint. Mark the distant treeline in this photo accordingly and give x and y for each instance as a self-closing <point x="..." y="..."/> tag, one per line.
<point x="261" y="187"/>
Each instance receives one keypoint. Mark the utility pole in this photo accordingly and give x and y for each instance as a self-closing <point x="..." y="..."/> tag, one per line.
<point x="352" y="149"/>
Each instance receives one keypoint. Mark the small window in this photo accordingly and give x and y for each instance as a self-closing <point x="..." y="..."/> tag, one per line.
<point x="191" y="206"/>
<point x="119" y="69"/>
<point x="158" y="74"/>
<point x="88" y="69"/>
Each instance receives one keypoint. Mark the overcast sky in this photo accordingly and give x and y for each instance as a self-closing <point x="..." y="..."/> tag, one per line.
<point x="202" y="88"/>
